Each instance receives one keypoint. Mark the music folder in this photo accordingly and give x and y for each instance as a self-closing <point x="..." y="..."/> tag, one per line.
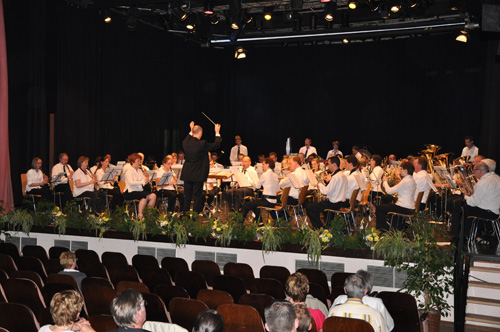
<point x="109" y="175"/>
<point x="312" y="178"/>
<point x="242" y="180"/>
<point x="294" y="179"/>
<point x="359" y="181"/>
<point x="444" y="174"/>
<point x="165" y="178"/>
<point x="58" y="177"/>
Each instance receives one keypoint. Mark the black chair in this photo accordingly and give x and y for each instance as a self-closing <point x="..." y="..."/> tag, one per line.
<point x="31" y="275"/>
<point x="7" y="263"/>
<point x="139" y="262"/>
<point x="191" y="281"/>
<point x="87" y="255"/>
<point x="318" y="292"/>
<point x="214" y="298"/>
<point x="26" y="292"/>
<point x="36" y="251"/>
<point x="3" y="297"/>
<point x="17" y="317"/>
<point x="98" y="300"/>
<point x="168" y="292"/>
<point x="153" y="277"/>
<point x="93" y="269"/>
<point x="209" y="269"/>
<point x="125" y="284"/>
<point x="49" y="290"/>
<point x="184" y="311"/>
<point x="280" y="273"/>
<point x="174" y="264"/>
<point x="110" y="258"/>
<point x="232" y="285"/>
<point x="317" y="277"/>
<point x="338" y="278"/>
<point x="258" y="301"/>
<point x="238" y="317"/>
<point x="268" y="286"/>
<point x="55" y="252"/>
<point x="52" y="266"/>
<point x="102" y="322"/>
<point x="10" y="249"/>
<point x="403" y="309"/>
<point x="241" y="270"/>
<point x="3" y="276"/>
<point x="118" y="273"/>
<point x="64" y="279"/>
<point x="156" y="309"/>
<point x="32" y="264"/>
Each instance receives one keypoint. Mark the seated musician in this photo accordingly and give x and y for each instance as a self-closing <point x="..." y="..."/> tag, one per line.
<point x="274" y="157"/>
<point x="135" y="180"/>
<point x="406" y="195"/>
<point x="375" y="176"/>
<point x="293" y="196"/>
<point x="147" y="187"/>
<point x="335" y="193"/>
<point x="211" y="187"/>
<point x="108" y="186"/>
<point x="84" y="186"/>
<point x="484" y="202"/>
<point x="422" y="179"/>
<point x="353" y="176"/>
<point x="269" y="180"/>
<point x="168" y="190"/>
<point x="235" y="195"/>
<point x="302" y="158"/>
<point x="37" y="182"/>
<point x="335" y="151"/>
<point x="62" y="185"/>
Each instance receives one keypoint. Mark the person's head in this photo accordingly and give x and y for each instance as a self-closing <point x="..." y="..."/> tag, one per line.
<point x="480" y="170"/>
<point x="134" y="159"/>
<point x="367" y="279"/>
<point x="246" y="162"/>
<point x="477" y="159"/>
<point x="240" y="157"/>
<point x="333" y="163"/>
<point x="355" y="149"/>
<point x="392" y="157"/>
<point x="492" y="165"/>
<point x="406" y="168"/>
<point x="128" y="309"/>
<point x="98" y="161"/>
<point x="181" y="155"/>
<point x="315" y="164"/>
<point x="280" y="317"/>
<point x="351" y="162"/>
<point x="308" y="142"/>
<point x="67" y="260"/>
<point x="65" y="307"/>
<point x="375" y="161"/>
<point x="285" y="163"/>
<point x="104" y="163"/>
<point x="294" y="163"/>
<point x="268" y="163"/>
<point x="63" y="158"/>
<point x="214" y="156"/>
<point x="83" y="162"/>
<point x="261" y="158"/>
<point x="36" y="163"/>
<point x="297" y="287"/>
<point x="274" y="156"/>
<point x="469" y="141"/>
<point x="420" y="163"/>
<point x="336" y="145"/>
<point x="167" y="162"/>
<point x="208" y="321"/>
<point x="354" y="286"/>
<point x="304" y="316"/>
<point x="237" y="140"/>
<point x="302" y="157"/>
<point x="197" y="131"/>
<point x="141" y="155"/>
<point x="108" y="156"/>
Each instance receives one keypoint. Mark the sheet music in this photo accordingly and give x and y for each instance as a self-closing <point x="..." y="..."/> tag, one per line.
<point x="236" y="163"/>
<point x="312" y="178"/>
<point x="109" y="175"/>
<point x="152" y="174"/>
<point x="165" y="178"/>
<point x="294" y="179"/>
<point x="58" y="177"/>
<point x="444" y="174"/>
<point x="242" y="180"/>
<point x="360" y="182"/>
<point x="429" y="181"/>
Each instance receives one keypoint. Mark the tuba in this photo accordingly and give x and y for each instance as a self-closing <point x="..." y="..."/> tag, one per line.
<point x="466" y="177"/>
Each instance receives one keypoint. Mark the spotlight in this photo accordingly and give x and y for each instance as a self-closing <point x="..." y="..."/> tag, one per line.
<point x="353" y="4"/>
<point x="411" y="3"/>
<point x="235" y="23"/>
<point x="107" y="19"/>
<point x="326" y="0"/>
<point x="214" y="19"/>
<point x="180" y="14"/>
<point x="329" y="9"/>
<point x="208" y="7"/>
<point x="268" y="13"/>
<point x="345" y="41"/>
<point x="190" y="23"/>
<point x="463" y="37"/>
<point x="240" y="53"/>
<point x="395" y="8"/>
<point x="246" y="17"/>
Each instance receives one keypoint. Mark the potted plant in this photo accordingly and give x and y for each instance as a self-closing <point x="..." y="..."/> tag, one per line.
<point x="428" y="266"/>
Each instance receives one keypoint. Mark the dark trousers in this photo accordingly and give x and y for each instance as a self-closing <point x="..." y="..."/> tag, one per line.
<point x="383" y="209"/>
<point x="211" y="194"/>
<point x="171" y="195"/>
<point x="44" y="191"/>
<point x="116" y="200"/>
<point x="469" y="211"/>
<point x="253" y="206"/>
<point x="314" y="211"/>
<point x="193" y="191"/>
<point x="66" y="190"/>
<point x="235" y="195"/>
<point x="95" y="205"/>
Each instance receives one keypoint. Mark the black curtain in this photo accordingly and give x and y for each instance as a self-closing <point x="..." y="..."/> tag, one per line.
<point x="116" y="91"/>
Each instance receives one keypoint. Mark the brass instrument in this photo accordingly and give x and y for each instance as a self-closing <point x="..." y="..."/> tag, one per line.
<point x="466" y="178"/>
<point x="392" y="179"/>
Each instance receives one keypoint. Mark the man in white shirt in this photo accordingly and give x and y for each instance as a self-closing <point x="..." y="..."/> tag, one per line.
<point x="335" y="193"/>
<point x="470" y="150"/>
<point x="335" y="151"/>
<point x="422" y="179"/>
<point x="307" y="149"/>
<point x="235" y="195"/>
<point x="237" y="149"/>
<point x="300" y="174"/>
<point x="406" y="196"/>
<point x="353" y="177"/>
<point x="355" y="152"/>
<point x="62" y="185"/>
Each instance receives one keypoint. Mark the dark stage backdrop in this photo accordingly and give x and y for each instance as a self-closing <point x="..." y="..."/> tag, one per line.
<point x="116" y="91"/>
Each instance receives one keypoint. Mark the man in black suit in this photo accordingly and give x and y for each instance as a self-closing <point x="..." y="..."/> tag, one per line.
<point x="197" y="165"/>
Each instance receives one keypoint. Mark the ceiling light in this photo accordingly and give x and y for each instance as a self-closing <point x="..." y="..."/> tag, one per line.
<point x="240" y="53"/>
<point x="329" y="9"/>
<point x="208" y="7"/>
<point x="353" y="4"/>
<point x="345" y="41"/>
<point x="246" y="18"/>
<point x="235" y="25"/>
<point x="179" y="13"/>
<point x="268" y="13"/>
<point x="412" y="3"/>
<point x="395" y="8"/>
<point x="190" y="23"/>
<point x="463" y="37"/>
<point x="107" y="19"/>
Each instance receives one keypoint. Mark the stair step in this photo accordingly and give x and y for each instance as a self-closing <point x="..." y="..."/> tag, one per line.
<point x="486" y="262"/>
<point x="485" y="269"/>
<point x="482" y="319"/>
<point x="480" y="300"/>
<point x="484" y="284"/>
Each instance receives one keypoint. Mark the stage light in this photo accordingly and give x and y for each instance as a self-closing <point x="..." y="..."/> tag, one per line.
<point x="412" y="3"/>
<point x="246" y="17"/>
<point x="107" y="19"/>
<point x="208" y="7"/>
<point x="179" y="13"/>
<point x="463" y="37"/>
<point x="353" y="4"/>
<point x="329" y="9"/>
<point x="345" y="41"/>
<point x="240" y="53"/>
<point x="235" y="24"/>
<point x="190" y="23"/>
<point x="268" y="13"/>
<point x="326" y="0"/>
<point x="395" y="8"/>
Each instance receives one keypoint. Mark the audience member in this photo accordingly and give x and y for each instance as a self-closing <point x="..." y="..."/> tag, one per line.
<point x="208" y="321"/>
<point x="304" y="317"/>
<point x="68" y="262"/>
<point x="129" y="311"/>
<point x="280" y="317"/>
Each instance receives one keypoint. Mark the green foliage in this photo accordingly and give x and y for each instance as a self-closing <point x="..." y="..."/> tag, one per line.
<point x="312" y="243"/>
<point x="180" y="233"/>
<point x="75" y="218"/>
<point x="337" y="228"/>
<point x="245" y="233"/>
<point x="20" y="220"/>
<point x="121" y="220"/>
<point x="151" y="217"/>
<point x="271" y="238"/>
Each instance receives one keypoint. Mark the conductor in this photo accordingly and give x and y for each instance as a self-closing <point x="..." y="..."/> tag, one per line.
<point x="196" y="167"/>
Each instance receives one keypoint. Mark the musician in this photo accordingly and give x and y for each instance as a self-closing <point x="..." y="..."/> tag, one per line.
<point x="335" y="151"/>
<point x="108" y="156"/>
<point x="307" y="149"/>
<point x="175" y="158"/>
<point x="422" y="179"/>
<point x="62" y="186"/>
<point x="353" y="176"/>
<point x="180" y="157"/>
<point x="168" y="190"/>
<point x="196" y="168"/>
<point x="37" y="182"/>
<point x="238" y="149"/>
<point x="406" y="195"/>
<point x="470" y="150"/>
<point x="97" y="164"/>
<point x="84" y="186"/>
<point x="375" y="176"/>
<point x="108" y="186"/>
<point x="335" y="193"/>
<point x="355" y="152"/>
<point x="147" y="187"/>
<point x="293" y="196"/>
<point x="302" y="158"/>
<point x="135" y="180"/>
<point x="261" y="158"/>
<point x="235" y="195"/>
<point x="390" y="161"/>
<point x="484" y="202"/>
<point x="274" y="157"/>
<point x="214" y="156"/>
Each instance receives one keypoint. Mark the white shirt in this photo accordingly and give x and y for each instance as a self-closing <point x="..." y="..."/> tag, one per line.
<point x="127" y="167"/>
<point x="406" y="192"/>
<point x="103" y="185"/>
<point x="33" y="176"/>
<point x="308" y="152"/>
<point x="352" y="184"/>
<point x="332" y="152"/>
<point x="336" y="189"/>
<point x="134" y="180"/>
<point x="269" y="180"/>
<point x="247" y="173"/>
<point x="472" y="152"/>
<point x="358" y="155"/>
<point x="233" y="156"/>
<point x="486" y="193"/>
<point x="80" y="175"/>
<point x="59" y="168"/>
<point x="294" y="192"/>
<point x="93" y="169"/>
<point x="375" y="178"/>
<point x="373" y="302"/>
<point x="422" y="180"/>
<point x="159" y="174"/>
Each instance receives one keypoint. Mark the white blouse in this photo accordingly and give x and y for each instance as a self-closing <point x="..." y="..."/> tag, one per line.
<point x="134" y="180"/>
<point x="80" y="175"/>
<point x="33" y="176"/>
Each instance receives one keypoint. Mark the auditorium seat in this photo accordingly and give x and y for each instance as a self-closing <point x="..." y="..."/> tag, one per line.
<point x="174" y="264"/>
<point x="125" y="284"/>
<point x="238" y="317"/>
<point x="49" y="290"/>
<point x="268" y="286"/>
<point x="232" y="285"/>
<point x="318" y="292"/>
<point x="213" y="298"/>
<point x="111" y="258"/>
<point x="338" y="279"/>
<point x="280" y="273"/>
<point x="3" y="276"/>
<point x="91" y="282"/>
<point x="119" y="273"/>
<point x="52" y="266"/>
<point x="335" y="324"/>
<point x="403" y="309"/>
<point x="26" y="292"/>
<point x="156" y="309"/>
<point x="191" y="281"/>
<point x="153" y="277"/>
<point x="31" y="275"/>
<point x="64" y="279"/>
<point x="32" y="264"/>
<point x="318" y="277"/>
<point x="87" y="255"/>
<point x="35" y="251"/>
<point x="93" y="269"/>
<point x="257" y="301"/>
<point x="168" y="292"/>
<point x="3" y="297"/>
<point x="241" y="270"/>
<point x="139" y="262"/>
<point x="102" y="323"/>
<point x="55" y="252"/>
<point x="184" y="311"/>
<point x="98" y="300"/>
<point x="336" y="292"/>
<point x="10" y="249"/>
<point x="209" y="269"/>
<point x="7" y="263"/>
<point x="17" y="317"/>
